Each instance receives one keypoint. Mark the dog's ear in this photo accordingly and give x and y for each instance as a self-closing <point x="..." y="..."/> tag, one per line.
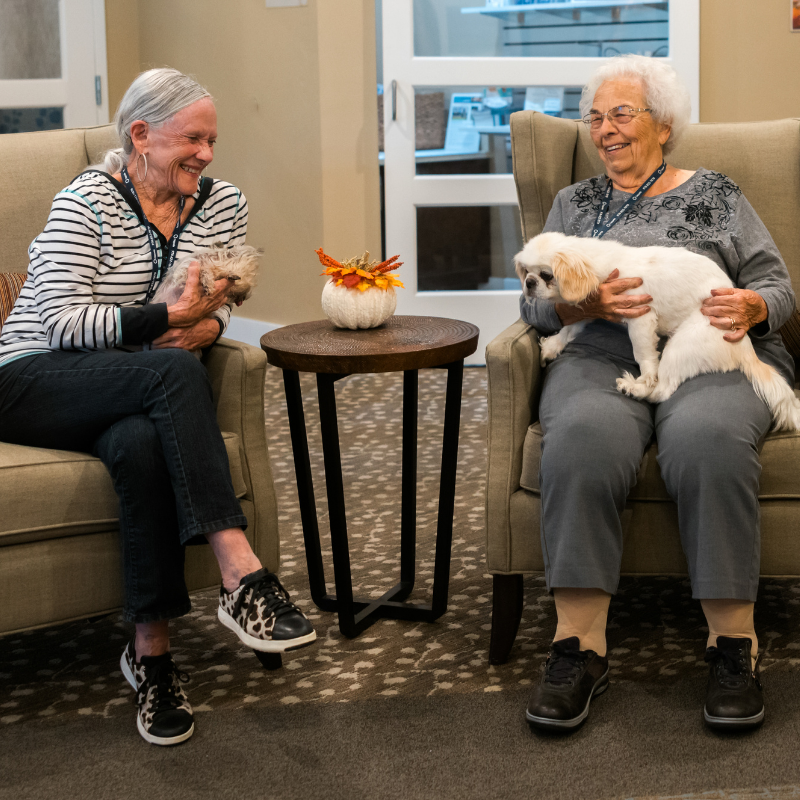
<point x="576" y="279"/>
<point x="520" y="269"/>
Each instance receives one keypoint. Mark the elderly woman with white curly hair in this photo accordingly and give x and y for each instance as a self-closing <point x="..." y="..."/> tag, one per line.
<point x="708" y="432"/>
<point x="74" y="376"/>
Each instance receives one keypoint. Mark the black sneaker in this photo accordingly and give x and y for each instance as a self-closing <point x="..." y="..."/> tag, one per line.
<point x="164" y="715"/>
<point x="733" y="696"/>
<point x="261" y="614"/>
<point x="571" y="678"/>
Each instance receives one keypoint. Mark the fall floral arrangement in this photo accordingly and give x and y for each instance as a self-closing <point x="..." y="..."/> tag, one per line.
<point x="359" y="273"/>
<point x="348" y="308"/>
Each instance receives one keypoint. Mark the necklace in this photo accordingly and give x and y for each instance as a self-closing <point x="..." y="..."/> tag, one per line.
<point x="159" y="268"/>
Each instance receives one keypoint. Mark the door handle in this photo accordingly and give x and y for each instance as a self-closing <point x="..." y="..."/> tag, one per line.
<point x="394" y="101"/>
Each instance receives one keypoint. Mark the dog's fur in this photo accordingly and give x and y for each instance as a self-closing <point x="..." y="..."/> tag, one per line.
<point x="215" y="262"/>
<point x="567" y="269"/>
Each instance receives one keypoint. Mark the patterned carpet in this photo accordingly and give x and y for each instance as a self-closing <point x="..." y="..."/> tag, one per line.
<point x="656" y="630"/>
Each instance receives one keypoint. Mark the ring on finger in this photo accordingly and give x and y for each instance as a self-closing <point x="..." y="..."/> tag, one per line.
<point x="733" y="323"/>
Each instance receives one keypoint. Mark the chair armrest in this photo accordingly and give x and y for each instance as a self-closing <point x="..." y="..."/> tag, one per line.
<point x="514" y="383"/>
<point x="237" y="373"/>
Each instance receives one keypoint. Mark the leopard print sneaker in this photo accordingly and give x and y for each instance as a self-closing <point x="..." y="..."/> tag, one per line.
<point x="164" y="715"/>
<point x="261" y="614"/>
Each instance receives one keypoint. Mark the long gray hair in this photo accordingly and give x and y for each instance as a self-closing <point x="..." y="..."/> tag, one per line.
<point x="155" y="96"/>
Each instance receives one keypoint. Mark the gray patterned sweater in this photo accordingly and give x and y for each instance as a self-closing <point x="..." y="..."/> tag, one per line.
<point x="707" y="214"/>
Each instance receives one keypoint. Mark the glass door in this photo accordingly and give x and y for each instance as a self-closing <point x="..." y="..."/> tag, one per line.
<point x="52" y="64"/>
<point x="453" y="71"/>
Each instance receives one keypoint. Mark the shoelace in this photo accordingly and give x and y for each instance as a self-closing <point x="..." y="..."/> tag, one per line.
<point x="733" y="669"/>
<point x="563" y="666"/>
<point x="167" y="679"/>
<point x="275" y="597"/>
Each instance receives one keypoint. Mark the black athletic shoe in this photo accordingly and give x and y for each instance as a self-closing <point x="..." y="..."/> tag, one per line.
<point x="261" y="614"/>
<point x="164" y="715"/>
<point x="571" y="678"/>
<point x="733" y="697"/>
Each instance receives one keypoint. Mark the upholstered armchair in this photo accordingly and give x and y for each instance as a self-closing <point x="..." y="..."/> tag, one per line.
<point x="549" y="154"/>
<point x="59" y="548"/>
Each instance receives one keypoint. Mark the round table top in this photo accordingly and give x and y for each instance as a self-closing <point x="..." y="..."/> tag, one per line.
<point x="401" y="343"/>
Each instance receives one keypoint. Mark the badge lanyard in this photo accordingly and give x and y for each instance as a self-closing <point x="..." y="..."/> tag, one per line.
<point x="173" y="242"/>
<point x="601" y="228"/>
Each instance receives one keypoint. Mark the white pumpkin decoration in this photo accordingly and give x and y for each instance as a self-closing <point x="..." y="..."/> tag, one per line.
<point x="352" y="308"/>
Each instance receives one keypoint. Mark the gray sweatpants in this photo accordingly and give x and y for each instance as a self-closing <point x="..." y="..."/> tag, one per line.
<point x="708" y="435"/>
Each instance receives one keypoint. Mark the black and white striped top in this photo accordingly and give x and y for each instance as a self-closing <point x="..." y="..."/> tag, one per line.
<point x="89" y="270"/>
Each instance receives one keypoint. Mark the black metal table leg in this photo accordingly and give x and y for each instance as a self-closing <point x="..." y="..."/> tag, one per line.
<point x="335" y="488"/>
<point x="305" y="491"/>
<point x="355" y="615"/>
<point x="447" y="488"/>
<point x="408" y="490"/>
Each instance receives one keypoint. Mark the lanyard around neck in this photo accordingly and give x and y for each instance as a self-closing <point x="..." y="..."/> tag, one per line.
<point x="602" y="225"/>
<point x="156" y="273"/>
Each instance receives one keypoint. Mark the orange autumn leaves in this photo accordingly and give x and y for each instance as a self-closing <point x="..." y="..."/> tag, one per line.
<point x="359" y="273"/>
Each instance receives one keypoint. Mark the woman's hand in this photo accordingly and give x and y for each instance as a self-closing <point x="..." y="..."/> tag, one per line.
<point x="194" y="337"/>
<point x="734" y="311"/>
<point x="608" y="302"/>
<point x="194" y="304"/>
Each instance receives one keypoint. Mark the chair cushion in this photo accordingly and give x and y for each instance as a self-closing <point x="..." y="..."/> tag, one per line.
<point x="780" y="476"/>
<point x="48" y="494"/>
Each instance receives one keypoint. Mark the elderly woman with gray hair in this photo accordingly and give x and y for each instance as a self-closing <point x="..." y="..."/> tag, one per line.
<point x="708" y="432"/>
<point x="69" y="379"/>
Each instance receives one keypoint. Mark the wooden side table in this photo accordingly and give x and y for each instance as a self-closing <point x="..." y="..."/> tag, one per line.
<point x="405" y="344"/>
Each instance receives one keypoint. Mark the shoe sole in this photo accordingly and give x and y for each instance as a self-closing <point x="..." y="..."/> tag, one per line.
<point x="162" y="740"/>
<point x="568" y="724"/>
<point x="149" y="737"/>
<point x="264" y="645"/>
<point x="733" y="723"/>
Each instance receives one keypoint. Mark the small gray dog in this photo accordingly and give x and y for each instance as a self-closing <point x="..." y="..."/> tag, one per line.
<point x="240" y="263"/>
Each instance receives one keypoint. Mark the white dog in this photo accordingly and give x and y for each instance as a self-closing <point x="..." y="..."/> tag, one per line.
<point x="567" y="269"/>
<point x="218" y="261"/>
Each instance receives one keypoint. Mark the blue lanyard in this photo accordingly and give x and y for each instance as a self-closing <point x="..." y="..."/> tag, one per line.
<point x="155" y="275"/>
<point x="601" y="228"/>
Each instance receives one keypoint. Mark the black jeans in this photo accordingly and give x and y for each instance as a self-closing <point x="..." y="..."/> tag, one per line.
<point x="150" y="418"/>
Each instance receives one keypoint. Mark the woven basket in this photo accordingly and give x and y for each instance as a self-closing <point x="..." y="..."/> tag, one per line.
<point x="431" y="121"/>
<point x="10" y="287"/>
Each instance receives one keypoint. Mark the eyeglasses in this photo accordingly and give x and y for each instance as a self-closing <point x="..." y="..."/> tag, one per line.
<point x="621" y="115"/>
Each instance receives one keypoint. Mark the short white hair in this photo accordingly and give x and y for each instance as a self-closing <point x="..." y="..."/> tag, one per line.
<point x="664" y="91"/>
<point x="154" y="96"/>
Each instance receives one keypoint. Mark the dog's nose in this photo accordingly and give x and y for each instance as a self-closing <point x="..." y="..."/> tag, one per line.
<point x="530" y="281"/>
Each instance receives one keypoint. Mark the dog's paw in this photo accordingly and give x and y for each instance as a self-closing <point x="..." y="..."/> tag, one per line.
<point x="648" y="381"/>
<point x="639" y="388"/>
<point x="549" y="348"/>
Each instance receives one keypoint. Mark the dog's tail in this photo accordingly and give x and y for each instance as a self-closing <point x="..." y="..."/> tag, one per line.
<point x="774" y="391"/>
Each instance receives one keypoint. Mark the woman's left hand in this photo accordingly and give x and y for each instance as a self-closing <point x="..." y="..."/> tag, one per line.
<point x="194" y="337"/>
<point x="734" y="311"/>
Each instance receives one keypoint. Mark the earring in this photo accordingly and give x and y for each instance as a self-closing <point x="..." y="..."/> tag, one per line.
<point x="138" y="174"/>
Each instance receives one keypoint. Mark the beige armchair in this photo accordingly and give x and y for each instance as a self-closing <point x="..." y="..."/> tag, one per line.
<point x="59" y="549"/>
<point x="549" y="154"/>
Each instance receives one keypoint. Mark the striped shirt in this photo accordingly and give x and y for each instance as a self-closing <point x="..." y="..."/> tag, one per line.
<point x="89" y="270"/>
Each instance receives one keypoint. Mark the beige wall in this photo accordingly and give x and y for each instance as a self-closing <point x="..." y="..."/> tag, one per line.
<point x="122" y="47"/>
<point x="276" y="74"/>
<point x="749" y="61"/>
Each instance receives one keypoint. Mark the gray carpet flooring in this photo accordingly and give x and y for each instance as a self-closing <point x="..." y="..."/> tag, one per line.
<point x="405" y="710"/>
